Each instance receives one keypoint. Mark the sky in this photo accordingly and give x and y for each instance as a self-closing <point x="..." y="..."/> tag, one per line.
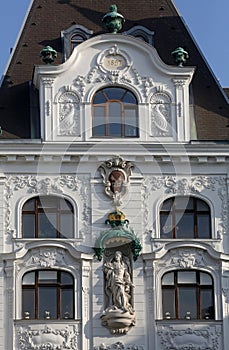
<point x="206" y="19"/>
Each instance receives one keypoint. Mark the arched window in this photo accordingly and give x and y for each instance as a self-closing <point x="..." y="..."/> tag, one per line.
<point x="185" y="217"/>
<point x="47" y="294"/>
<point x="114" y="113"/>
<point x="47" y="217"/>
<point x="187" y="295"/>
<point x="76" y="40"/>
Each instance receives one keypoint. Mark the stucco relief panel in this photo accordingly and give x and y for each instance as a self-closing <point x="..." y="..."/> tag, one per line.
<point x="161" y="114"/>
<point x="68" y="123"/>
<point x="39" y="337"/>
<point x="186" y="258"/>
<point x="191" y="337"/>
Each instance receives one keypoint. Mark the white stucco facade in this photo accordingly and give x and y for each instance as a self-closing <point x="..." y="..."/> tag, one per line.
<point x="66" y="163"/>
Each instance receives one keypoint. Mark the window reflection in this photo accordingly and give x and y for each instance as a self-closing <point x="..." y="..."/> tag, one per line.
<point x="47" y="217"/>
<point x="47" y="295"/>
<point x="187" y="295"/>
<point x="185" y="217"/>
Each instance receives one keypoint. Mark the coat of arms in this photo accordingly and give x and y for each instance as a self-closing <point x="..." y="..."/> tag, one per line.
<point x="116" y="173"/>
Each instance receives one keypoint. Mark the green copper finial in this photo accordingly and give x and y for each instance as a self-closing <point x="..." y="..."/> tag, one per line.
<point x="113" y="20"/>
<point x="180" y="56"/>
<point x="48" y="54"/>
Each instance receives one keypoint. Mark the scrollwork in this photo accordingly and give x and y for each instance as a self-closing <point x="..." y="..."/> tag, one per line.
<point x="47" y="258"/>
<point x="118" y="346"/>
<point x="204" y="338"/>
<point x="45" y="337"/>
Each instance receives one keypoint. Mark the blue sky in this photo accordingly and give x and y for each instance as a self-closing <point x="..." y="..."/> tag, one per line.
<point x="206" y="19"/>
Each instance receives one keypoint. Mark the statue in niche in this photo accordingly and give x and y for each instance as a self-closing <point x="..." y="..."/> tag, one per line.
<point x="118" y="283"/>
<point x="119" y="314"/>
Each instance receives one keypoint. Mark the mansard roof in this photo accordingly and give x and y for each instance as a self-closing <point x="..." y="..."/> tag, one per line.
<point x="43" y="26"/>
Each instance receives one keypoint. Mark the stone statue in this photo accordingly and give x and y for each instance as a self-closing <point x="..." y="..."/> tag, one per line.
<point x="119" y="314"/>
<point x="118" y="283"/>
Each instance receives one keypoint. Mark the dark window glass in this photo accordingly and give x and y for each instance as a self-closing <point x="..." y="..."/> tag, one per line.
<point x="76" y="40"/>
<point x="47" y="217"/>
<point x="47" y="294"/>
<point x="185" y="217"/>
<point x="187" y="295"/>
<point x="168" y="301"/>
<point x="28" y="303"/>
<point x="114" y="113"/>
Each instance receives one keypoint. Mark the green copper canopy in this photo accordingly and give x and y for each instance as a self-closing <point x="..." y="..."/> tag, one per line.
<point x="118" y="235"/>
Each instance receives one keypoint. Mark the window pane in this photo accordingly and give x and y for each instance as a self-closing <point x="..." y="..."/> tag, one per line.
<point x="77" y="37"/>
<point x="99" y="121"/>
<point x="129" y="98"/>
<point x="168" y="301"/>
<point x="166" y="226"/>
<point x="205" y="279"/>
<point x="65" y="205"/>
<point x="168" y="279"/>
<point x="207" y="308"/>
<point x="28" y="303"/>
<point x="99" y="98"/>
<point x="47" y="225"/>
<point x="184" y="203"/>
<point x="201" y="205"/>
<point x="66" y="225"/>
<point x="167" y="205"/>
<point x="114" y="93"/>
<point x="29" y="278"/>
<point x="203" y="224"/>
<point x="28" y="225"/>
<point x="186" y="277"/>
<point x="47" y="302"/>
<point x="67" y="303"/>
<point x="187" y="302"/>
<point x="115" y="121"/>
<point x="184" y="225"/>
<point x="48" y="202"/>
<point x="47" y="277"/>
<point x="131" y="122"/>
<point x="66" y="278"/>
<point x="29" y="205"/>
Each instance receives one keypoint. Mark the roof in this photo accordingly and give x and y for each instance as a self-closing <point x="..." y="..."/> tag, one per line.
<point x="43" y="26"/>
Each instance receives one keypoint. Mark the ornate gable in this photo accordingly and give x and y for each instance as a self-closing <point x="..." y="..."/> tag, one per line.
<point x="66" y="91"/>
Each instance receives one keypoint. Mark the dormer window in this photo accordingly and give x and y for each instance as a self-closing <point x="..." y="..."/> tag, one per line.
<point x="72" y="37"/>
<point x="114" y="113"/>
<point x="141" y="33"/>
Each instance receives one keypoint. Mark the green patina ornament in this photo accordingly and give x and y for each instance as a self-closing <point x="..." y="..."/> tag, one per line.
<point x="180" y="56"/>
<point x="113" y="20"/>
<point x="117" y="218"/>
<point x="136" y="248"/>
<point x="118" y="235"/>
<point x="48" y="54"/>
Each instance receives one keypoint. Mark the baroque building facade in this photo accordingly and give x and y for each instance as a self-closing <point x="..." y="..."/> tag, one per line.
<point x="114" y="185"/>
